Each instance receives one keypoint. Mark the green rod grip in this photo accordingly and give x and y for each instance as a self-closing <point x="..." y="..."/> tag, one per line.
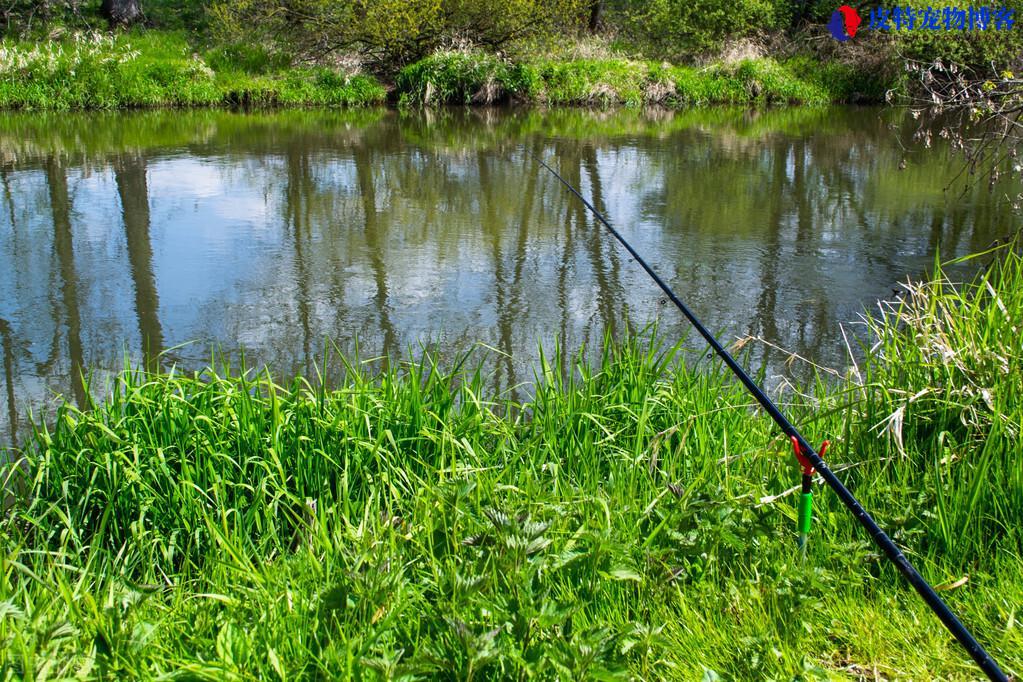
<point x="805" y="512"/>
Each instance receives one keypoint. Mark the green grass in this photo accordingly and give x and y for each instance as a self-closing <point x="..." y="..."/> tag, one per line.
<point x="630" y="520"/>
<point x="478" y="78"/>
<point x="459" y="78"/>
<point x="159" y="69"/>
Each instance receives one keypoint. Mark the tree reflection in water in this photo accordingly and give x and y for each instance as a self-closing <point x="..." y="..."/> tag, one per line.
<point x="168" y="233"/>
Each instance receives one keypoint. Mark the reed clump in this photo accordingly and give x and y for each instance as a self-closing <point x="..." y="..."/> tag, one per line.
<point x="629" y="521"/>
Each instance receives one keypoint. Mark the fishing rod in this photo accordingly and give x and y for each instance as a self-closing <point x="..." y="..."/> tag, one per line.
<point x="810" y="460"/>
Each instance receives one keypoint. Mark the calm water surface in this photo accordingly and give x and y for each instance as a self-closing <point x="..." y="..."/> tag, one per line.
<point x="157" y="236"/>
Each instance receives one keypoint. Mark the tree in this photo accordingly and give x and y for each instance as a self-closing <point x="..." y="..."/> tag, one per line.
<point x="596" y="14"/>
<point x="980" y="114"/>
<point x="121" y="12"/>
<point x="389" y="33"/>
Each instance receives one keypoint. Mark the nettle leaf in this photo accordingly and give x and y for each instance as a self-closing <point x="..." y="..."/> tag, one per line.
<point x="552" y="613"/>
<point x="534" y="528"/>
<point x="500" y="520"/>
<point x="623" y="574"/>
<point x="537" y="545"/>
<point x="732" y="540"/>
<point x="478" y="540"/>
<point x="564" y="559"/>
<point x="469" y="583"/>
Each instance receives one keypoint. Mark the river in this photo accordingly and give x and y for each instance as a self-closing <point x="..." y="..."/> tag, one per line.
<point x="158" y="238"/>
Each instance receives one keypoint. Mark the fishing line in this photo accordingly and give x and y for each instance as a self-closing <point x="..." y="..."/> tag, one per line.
<point x="880" y="538"/>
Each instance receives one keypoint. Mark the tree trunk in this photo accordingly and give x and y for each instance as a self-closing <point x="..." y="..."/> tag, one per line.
<point x="596" y="10"/>
<point x="121" y="12"/>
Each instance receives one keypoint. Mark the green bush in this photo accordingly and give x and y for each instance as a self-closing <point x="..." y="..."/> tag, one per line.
<point x="479" y="78"/>
<point x="36" y="18"/>
<point x="792" y="14"/>
<point x="187" y="15"/>
<point x="245" y="57"/>
<point x="459" y="78"/>
<point x="846" y="82"/>
<point x="976" y="49"/>
<point x="601" y="81"/>
<point x="676" y="28"/>
<point x="390" y="33"/>
<point x="762" y="81"/>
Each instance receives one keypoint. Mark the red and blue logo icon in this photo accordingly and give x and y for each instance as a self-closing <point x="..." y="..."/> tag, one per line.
<point x="844" y="23"/>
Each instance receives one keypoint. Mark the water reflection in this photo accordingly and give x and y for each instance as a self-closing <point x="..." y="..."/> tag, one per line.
<point x="133" y="191"/>
<point x="163" y="234"/>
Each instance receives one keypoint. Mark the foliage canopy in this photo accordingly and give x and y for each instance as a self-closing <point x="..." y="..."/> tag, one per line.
<point x="389" y="33"/>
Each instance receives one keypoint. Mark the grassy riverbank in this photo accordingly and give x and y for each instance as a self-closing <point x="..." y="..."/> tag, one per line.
<point x="159" y="69"/>
<point x="93" y="71"/>
<point x="633" y="518"/>
<point x="476" y="78"/>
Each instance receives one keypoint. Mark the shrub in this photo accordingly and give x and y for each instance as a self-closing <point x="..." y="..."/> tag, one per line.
<point x="674" y="28"/>
<point x="1001" y="48"/>
<point x="598" y="81"/>
<point x="751" y="80"/>
<point x="458" y="78"/>
<point x="246" y="57"/>
<point x="478" y="78"/>
<point x="392" y="33"/>
<point x="24" y="18"/>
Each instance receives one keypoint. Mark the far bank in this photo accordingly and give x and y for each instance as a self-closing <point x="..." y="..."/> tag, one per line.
<point x="160" y="69"/>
